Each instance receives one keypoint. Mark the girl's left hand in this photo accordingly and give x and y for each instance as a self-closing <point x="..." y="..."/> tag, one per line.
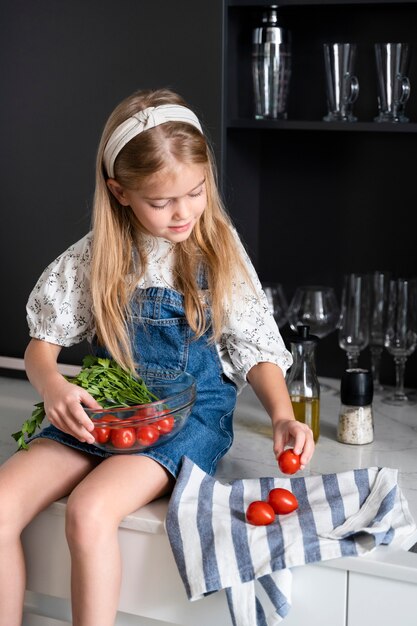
<point x="290" y="432"/>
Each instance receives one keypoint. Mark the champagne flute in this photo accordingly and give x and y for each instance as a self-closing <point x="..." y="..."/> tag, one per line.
<point x="277" y="302"/>
<point x="354" y="318"/>
<point x="315" y="306"/>
<point x="401" y="332"/>
<point x="379" y="286"/>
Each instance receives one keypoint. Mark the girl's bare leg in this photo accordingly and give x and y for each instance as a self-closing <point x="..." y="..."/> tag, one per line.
<point x="118" y="486"/>
<point x="29" y="482"/>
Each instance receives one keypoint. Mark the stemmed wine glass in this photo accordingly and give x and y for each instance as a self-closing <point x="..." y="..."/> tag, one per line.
<point x="379" y="289"/>
<point x="277" y="302"/>
<point x="317" y="307"/>
<point x="354" y="317"/>
<point x="401" y="332"/>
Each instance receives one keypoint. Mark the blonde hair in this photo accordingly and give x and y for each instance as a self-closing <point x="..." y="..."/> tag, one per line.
<point x="117" y="233"/>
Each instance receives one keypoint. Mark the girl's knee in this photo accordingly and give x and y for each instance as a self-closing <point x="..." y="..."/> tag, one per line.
<point x="11" y="518"/>
<point x="86" y="523"/>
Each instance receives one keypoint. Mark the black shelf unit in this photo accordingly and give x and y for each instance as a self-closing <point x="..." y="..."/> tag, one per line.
<point x="371" y="127"/>
<point x="314" y="200"/>
<point x="281" y="3"/>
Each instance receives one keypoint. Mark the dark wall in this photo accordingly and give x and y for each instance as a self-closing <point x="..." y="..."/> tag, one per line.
<point x="63" y="67"/>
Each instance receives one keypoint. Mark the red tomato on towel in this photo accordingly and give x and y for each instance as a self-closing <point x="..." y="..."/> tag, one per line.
<point x="282" y="501"/>
<point x="260" y="513"/>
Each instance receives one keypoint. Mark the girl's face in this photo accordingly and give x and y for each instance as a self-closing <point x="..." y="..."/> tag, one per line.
<point x="170" y="203"/>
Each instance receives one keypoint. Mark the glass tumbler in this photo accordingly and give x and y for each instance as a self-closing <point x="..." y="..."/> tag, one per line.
<point x="392" y="63"/>
<point x="342" y="86"/>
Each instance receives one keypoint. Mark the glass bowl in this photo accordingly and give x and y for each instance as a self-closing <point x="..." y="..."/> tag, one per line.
<point x="124" y="430"/>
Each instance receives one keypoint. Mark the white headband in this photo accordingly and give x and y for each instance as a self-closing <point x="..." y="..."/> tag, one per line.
<point x="143" y="120"/>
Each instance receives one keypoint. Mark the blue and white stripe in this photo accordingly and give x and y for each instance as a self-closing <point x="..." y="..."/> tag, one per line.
<point x="344" y="514"/>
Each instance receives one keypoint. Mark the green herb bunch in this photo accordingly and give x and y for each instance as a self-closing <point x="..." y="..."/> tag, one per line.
<point x="106" y="381"/>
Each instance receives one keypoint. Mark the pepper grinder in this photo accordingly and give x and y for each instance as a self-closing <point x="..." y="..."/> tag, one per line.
<point x="302" y="382"/>
<point x="356" y="424"/>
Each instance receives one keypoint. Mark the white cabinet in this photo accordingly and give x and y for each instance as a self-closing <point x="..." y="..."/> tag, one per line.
<point x="318" y="597"/>
<point x="152" y="591"/>
<point x="375" y="601"/>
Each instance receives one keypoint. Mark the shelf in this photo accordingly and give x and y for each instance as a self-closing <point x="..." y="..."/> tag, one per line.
<point x="377" y="127"/>
<point x="291" y="3"/>
<point x="309" y="206"/>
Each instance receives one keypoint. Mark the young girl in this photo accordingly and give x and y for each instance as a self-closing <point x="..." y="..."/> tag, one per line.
<point x="161" y="282"/>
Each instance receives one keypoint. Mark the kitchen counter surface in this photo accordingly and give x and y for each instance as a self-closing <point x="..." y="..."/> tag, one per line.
<point x="394" y="445"/>
<point x="251" y="456"/>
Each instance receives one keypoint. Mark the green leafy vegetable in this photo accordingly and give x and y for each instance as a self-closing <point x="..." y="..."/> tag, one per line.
<point x="29" y="426"/>
<point x="106" y="381"/>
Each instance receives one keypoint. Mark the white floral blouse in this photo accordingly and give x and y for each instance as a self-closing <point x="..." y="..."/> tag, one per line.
<point x="59" y="309"/>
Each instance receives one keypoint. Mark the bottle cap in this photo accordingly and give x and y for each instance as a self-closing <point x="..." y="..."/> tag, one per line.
<point x="303" y="335"/>
<point x="356" y="387"/>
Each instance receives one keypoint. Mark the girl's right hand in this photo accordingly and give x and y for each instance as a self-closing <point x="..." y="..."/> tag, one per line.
<point x="63" y="408"/>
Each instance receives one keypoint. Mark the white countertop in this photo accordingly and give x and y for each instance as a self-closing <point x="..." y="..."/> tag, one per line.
<point x="251" y="456"/>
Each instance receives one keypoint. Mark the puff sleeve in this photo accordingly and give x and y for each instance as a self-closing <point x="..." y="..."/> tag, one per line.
<point x="251" y="334"/>
<point x="59" y="306"/>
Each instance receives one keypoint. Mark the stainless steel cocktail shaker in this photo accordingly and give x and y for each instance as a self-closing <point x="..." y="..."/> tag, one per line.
<point x="271" y="67"/>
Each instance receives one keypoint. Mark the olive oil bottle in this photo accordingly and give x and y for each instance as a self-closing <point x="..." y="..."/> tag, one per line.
<point x="307" y="410"/>
<point x="302" y="382"/>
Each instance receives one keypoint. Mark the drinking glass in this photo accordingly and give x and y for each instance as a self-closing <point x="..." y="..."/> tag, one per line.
<point x="379" y="290"/>
<point x="354" y="317"/>
<point x="314" y="306"/>
<point x="342" y="86"/>
<point x="401" y="332"/>
<point x="392" y="63"/>
<point x="317" y="307"/>
<point x="277" y="302"/>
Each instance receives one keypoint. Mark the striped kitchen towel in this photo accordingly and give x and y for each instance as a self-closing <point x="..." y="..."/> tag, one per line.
<point x="343" y="514"/>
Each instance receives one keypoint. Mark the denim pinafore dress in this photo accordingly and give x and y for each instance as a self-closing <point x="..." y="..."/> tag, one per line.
<point x="164" y="342"/>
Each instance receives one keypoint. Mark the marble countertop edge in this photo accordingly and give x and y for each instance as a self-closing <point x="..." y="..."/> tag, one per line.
<point x="251" y="456"/>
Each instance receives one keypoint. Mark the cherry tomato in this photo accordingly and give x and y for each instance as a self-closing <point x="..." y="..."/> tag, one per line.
<point x="282" y="501"/>
<point x="260" y="513"/>
<point x="108" y="417"/>
<point x="123" y="437"/>
<point x="165" y="425"/>
<point x="145" y="411"/>
<point x="101" y="434"/>
<point x="147" y="435"/>
<point x="289" y="462"/>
